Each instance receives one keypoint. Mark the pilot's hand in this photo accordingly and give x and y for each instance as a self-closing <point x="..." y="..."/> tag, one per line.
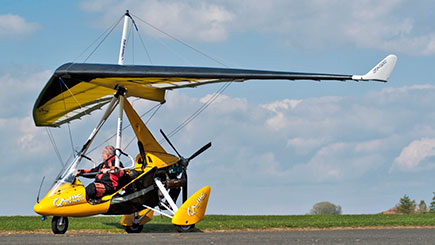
<point x="77" y="173"/>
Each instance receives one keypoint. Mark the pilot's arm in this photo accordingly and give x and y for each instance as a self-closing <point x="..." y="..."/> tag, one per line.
<point x="94" y="172"/>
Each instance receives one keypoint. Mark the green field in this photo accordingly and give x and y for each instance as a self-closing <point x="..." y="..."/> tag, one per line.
<point x="225" y="222"/>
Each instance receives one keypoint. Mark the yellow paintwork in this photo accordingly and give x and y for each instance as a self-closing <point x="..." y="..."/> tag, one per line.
<point x="127" y="220"/>
<point x="192" y="211"/>
<point x="160" y="160"/>
<point x="69" y="200"/>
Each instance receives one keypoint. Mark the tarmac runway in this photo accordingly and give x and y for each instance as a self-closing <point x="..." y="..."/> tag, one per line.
<point x="339" y="236"/>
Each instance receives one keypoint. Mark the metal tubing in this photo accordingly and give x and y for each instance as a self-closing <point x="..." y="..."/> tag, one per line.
<point x="166" y="195"/>
<point x="119" y="130"/>
<point x="157" y="211"/>
<point x="123" y="39"/>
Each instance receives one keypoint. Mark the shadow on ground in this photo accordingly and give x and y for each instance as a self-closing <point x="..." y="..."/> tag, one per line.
<point x="154" y="228"/>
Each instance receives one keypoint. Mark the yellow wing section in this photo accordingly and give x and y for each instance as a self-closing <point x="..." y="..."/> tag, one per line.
<point x="84" y="96"/>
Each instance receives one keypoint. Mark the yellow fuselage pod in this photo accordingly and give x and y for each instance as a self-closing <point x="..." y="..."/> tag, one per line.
<point x="69" y="200"/>
<point x="192" y="211"/>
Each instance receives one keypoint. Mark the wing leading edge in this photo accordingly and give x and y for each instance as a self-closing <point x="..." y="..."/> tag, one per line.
<point x="77" y="89"/>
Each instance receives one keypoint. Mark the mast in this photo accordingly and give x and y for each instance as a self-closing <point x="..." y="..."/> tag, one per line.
<point x="121" y="91"/>
<point x="123" y="39"/>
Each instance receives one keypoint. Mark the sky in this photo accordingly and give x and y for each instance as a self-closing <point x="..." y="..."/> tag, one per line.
<point x="279" y="147"/>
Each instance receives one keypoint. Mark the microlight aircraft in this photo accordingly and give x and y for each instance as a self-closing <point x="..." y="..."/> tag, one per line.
<point x="155" y="177"/>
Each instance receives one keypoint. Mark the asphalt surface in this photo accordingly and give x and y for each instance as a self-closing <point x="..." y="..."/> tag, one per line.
<point x="350" y="236"/>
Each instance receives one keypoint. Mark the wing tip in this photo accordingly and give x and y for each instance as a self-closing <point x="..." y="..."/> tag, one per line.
<point x="381" y="72"/>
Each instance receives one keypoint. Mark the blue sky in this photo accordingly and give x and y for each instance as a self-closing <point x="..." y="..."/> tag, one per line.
<point x="279" y="147"/>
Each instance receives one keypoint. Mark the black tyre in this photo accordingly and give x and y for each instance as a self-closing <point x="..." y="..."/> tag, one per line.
<point x="185" y="228"/>
<point x="59" y="225"/>
<point x="134" y="229"/>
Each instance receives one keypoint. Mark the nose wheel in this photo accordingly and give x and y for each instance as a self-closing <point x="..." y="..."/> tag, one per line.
<point x="185" y="228"/>
<point x="134" y="228"/>
<point x="59" y="225"/>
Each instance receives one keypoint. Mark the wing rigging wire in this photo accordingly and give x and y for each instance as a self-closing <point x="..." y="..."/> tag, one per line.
<point x="198" y="111"/>
<point x="53" y="143"/>
<point x="132" y="43"/>
<point x="99" y="44"/>
<point x="158" y="106"/>
<point x="149" y="119"/>
<point x="180" y="41"/>
<point x="108" y="30"/>
<point x="143" y="45"/>
<point x="64" y="106"/>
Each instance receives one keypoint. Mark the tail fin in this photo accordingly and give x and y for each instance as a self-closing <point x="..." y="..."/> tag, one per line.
<point x="380" y="72"/>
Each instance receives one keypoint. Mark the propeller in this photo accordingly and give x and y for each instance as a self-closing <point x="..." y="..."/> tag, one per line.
<point x="185" y="161"/>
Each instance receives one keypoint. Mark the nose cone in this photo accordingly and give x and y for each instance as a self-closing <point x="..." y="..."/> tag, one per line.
<point x="38" y="208"/>
<point x="41" y="207"/>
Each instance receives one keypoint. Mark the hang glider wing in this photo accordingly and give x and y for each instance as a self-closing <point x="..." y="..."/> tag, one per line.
<point x="77" y="89"/>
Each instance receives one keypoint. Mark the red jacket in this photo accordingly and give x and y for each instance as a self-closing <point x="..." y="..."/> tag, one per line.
<point x="108" y="179"/>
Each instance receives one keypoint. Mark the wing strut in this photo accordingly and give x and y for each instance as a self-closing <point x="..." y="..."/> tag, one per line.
<point x="121" y="97"/>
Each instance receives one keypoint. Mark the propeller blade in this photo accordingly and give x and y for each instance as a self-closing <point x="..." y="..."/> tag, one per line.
<point x="167" y="139"/>
<point x="184" y="186"/>
<point x="199" y="151"/>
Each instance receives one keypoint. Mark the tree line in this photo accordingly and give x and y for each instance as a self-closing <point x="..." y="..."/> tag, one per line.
<point x="408" y="206"/>
<point x="405" y="206"/>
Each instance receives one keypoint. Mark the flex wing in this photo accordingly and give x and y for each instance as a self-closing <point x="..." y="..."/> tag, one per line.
<point x="75" y="90"/>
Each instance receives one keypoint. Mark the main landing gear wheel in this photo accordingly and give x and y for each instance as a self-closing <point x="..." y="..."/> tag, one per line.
<point x="59" y="225"/>
<point x="134" y="228"/>
<point x="185" y="228"/>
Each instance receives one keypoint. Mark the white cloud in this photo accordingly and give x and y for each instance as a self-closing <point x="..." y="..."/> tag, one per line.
<point x="391" y="26"/>
<point x="14" y="25"/>
<point x="188" y="19"/>
<point x="282" y="105"/>
<point x="412" y="157"/>
<point x="304" y="145"/>
<point x="21" y="139"/>
<point x="26" y="83"/>
<point x="224" y="104"/>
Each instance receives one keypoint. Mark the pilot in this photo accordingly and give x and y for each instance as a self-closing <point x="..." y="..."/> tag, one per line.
<point x="106" y="175"/>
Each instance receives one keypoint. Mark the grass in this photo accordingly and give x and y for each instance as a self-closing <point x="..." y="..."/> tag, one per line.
<point x="226" y="222"/>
